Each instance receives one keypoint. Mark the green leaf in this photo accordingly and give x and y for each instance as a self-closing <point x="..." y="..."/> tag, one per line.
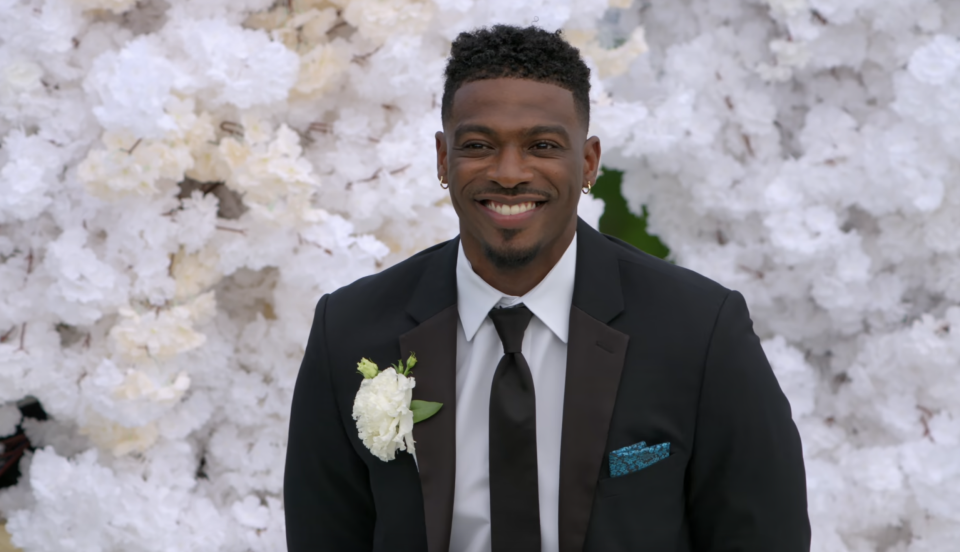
<point x="621" y="220"/>
<point x="424" y="409"/>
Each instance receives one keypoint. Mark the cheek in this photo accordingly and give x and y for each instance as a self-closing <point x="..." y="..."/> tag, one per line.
<point x="467" y="167"/>
<point x="457" y="200"/>
<point x="567" y="191"/>
<point x="463" y="204"/>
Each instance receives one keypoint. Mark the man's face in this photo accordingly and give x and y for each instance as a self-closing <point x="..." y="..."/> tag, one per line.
<point x="516" y="156"/>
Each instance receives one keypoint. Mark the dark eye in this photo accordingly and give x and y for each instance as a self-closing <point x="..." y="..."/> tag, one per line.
<point x="544" y="145"/>
<point x="473" y="146"/>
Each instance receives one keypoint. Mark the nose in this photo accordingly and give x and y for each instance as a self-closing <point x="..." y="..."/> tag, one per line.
<point x="509" y="168"/>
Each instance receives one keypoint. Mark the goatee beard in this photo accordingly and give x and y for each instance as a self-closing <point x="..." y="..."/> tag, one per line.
<point x="510" y="258"/>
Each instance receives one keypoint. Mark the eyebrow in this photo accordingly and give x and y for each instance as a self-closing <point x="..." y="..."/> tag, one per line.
<point x="468" y="128"/>
<point x="547" y="129"/>
<point x="532" y="131"/>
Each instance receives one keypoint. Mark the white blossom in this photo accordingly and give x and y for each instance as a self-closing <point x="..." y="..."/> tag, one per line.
<point x="116" y="6"/>
<point x="20" y="75"/>
<point x="276" y="182"/>
<point x="382" y="412"/>
<point x="27" y="176"/>
<point x="9" y="419"/>
<point x="610" y="62"/>
<point x="162" y="333"/>
<point x="158" y="155"/>
<point x="379" y="19"/>
<point x="937" y="62"/>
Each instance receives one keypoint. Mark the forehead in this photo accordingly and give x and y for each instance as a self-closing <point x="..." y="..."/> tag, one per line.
<point x="513" y="103"/>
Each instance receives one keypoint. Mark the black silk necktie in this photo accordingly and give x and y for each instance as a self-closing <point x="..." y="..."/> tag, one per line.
<point x="514" y="498"/>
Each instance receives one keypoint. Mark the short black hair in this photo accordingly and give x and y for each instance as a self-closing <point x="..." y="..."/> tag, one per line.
<point x="505" y="51"/>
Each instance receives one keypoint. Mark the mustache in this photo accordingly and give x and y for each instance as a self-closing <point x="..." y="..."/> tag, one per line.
<point x="511" y="192"/>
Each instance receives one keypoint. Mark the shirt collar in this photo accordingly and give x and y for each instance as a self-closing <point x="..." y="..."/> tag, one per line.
<point x="549" y="301"/>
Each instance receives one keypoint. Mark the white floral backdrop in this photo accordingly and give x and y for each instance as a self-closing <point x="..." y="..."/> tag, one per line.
<point x="181" y="180"/>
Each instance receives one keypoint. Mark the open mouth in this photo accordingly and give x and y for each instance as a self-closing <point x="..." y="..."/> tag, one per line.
<point x="507" y="210"/>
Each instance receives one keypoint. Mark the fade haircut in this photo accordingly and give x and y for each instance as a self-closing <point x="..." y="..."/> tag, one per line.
<point x="505" y="51"/>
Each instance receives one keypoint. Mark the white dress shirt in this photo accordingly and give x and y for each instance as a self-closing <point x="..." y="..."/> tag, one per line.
<point x="479" y="351"/>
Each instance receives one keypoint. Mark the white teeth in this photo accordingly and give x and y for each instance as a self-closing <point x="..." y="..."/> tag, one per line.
<point x="510" y="209"/>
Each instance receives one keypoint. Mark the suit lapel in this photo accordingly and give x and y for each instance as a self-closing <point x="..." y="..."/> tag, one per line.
<point x="434" y="340"/>
<point x="595" y="357"/>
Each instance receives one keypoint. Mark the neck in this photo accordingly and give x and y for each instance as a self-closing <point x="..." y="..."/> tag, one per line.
<point x="517" y="281"/>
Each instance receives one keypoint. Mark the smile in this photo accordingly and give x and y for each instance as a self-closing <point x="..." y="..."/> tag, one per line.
<point x="508" y="210"/>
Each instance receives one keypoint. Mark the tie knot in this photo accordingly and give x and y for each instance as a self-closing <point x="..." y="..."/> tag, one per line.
<point x="510" y="324"/>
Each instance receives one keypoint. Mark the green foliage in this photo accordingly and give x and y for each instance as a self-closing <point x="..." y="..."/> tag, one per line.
<point x="405" y="370"/>
<point x="618" y="221"/>
<point x="423" y="410"/>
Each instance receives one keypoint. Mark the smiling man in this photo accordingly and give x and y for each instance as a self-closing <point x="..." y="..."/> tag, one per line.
<point x="594" y="398"/>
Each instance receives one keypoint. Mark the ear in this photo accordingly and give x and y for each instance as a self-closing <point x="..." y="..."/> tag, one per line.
<point x="441" y="154"/>
<point x="591" y="159"/>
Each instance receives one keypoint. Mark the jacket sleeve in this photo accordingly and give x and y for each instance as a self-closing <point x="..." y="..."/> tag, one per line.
<point x="328" y="503"/>
<point x="746" y="483"/>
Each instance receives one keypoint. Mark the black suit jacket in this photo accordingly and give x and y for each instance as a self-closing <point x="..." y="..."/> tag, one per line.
<point x="656" y="353"/>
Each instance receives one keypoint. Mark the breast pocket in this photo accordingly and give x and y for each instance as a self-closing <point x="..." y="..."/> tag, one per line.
<point x="642" y="510"/>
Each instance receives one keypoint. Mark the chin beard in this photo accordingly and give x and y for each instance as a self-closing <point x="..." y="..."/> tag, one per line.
<point x="510" y="258"/>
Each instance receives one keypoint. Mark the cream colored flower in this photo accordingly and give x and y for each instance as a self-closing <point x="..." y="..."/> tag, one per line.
<point x="129" y="165"/>
<point x="138" y="385"/>
<point x="382" y="411"/>
<point x="233" y="152"/>
<point x="268" y="20"/>
<point x="315" y="24"/>
<point x="208" y="164"/>
<point x="277" y="183"/>
<point x="118" y="439"/>
<point x="110" y="174"/>
<point x="299" y="29"/>
<point x="164" y="333"/>
<point x="379" y="20"/>
<point x="195" y="272"/>
<point x="320" y="68"/>
<point x="256" y="131"/>
<point x="116" y="6"/>
<point x="21" y="76"/>
<point x="791" y="53"/>
<point x="789" y="7"/>
<point x="610" y="62"/>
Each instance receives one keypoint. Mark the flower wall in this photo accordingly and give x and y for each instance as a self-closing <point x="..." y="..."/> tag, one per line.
<point x="181" y="180"/>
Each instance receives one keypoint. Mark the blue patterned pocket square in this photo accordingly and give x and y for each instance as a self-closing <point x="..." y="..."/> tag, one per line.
<point x="636" y="457"/>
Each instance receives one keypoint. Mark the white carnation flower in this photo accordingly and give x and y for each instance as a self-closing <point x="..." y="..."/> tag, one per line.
<point x="383" y="415"/>
<point x="21" y="75"/>
<point x="937" y="62"/>
<point x="378" y="20"/>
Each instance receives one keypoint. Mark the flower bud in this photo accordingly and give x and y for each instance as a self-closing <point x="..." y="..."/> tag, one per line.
<point x="367" y="368"/>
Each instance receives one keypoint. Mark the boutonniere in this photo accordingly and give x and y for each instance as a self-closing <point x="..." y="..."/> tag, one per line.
<point x="384" y="409"/>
